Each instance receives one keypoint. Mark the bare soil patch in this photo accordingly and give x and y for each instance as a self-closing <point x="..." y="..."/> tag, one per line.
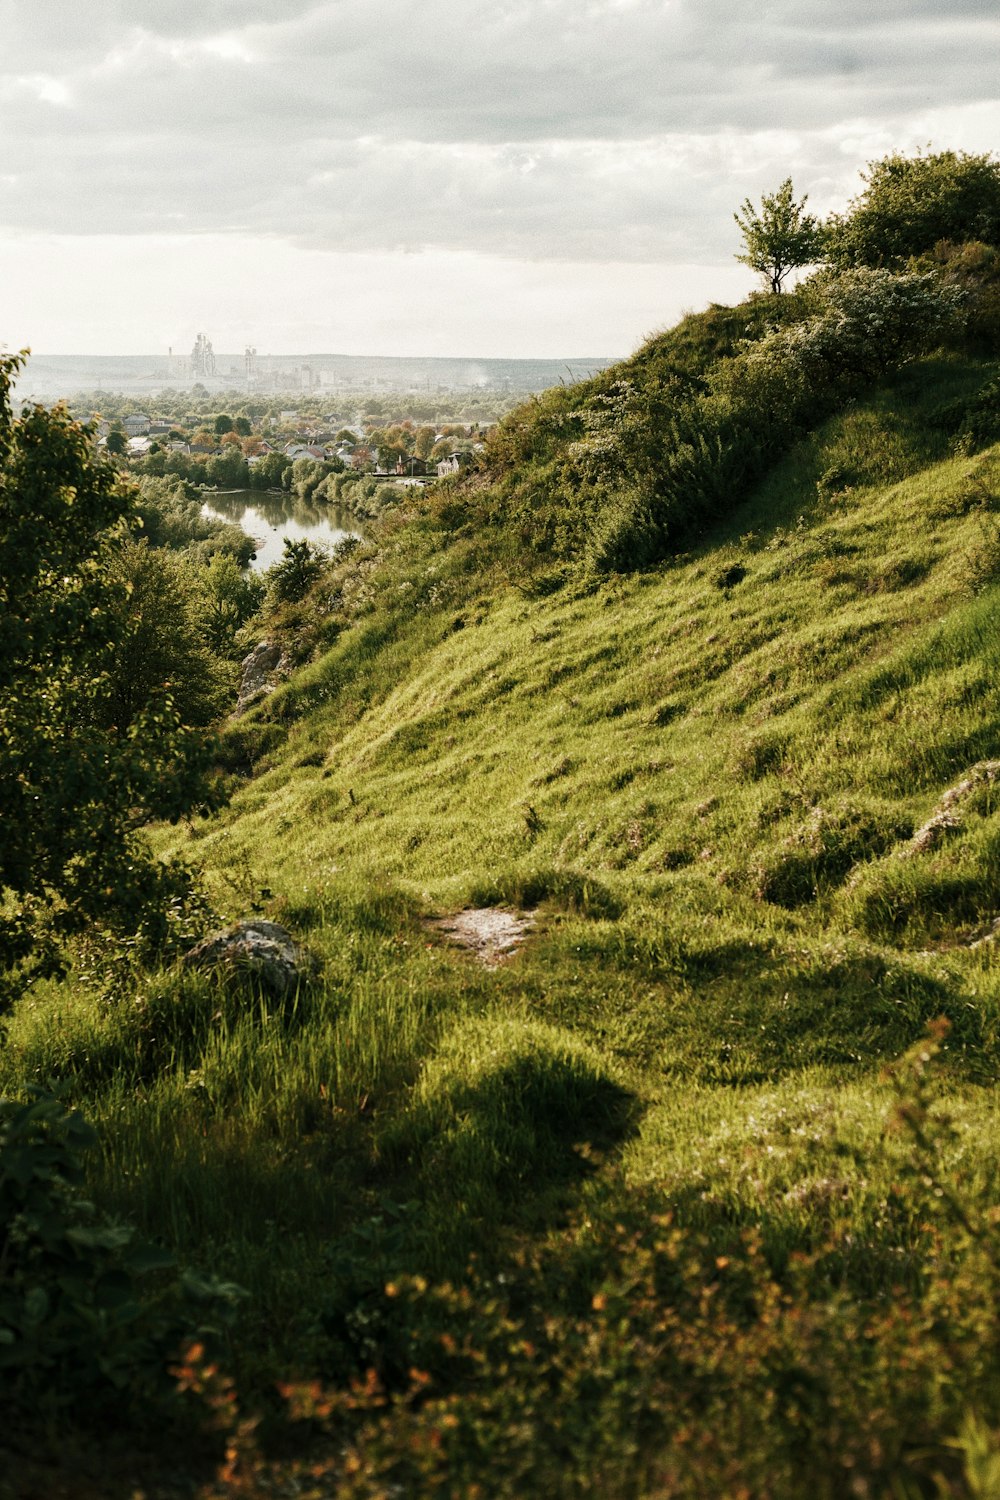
<point x="492" y="933"/>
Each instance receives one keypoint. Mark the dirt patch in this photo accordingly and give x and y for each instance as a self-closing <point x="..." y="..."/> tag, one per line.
<point x="490" y="932"/>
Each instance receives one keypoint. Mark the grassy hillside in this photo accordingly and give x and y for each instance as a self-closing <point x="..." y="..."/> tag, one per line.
<point x="640" y="1210"/>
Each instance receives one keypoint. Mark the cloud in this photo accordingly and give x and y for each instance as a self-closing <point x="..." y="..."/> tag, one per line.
<point x="560" y="130"/>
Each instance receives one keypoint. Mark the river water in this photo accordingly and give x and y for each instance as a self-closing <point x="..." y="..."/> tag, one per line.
<point x="270" y="516"/>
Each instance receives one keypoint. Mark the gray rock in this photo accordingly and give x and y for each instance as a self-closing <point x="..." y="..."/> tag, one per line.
<point x="262" y="669"/>
<point x="945" y="819"/>
<point x="255" y="950"/>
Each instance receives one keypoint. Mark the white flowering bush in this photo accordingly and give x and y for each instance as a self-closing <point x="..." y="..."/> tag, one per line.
<point x="867" y="323"/>
<point x="703" y="449"/>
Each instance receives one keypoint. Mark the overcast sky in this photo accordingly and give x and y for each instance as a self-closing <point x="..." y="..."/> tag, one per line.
<point x="468" y="177"/>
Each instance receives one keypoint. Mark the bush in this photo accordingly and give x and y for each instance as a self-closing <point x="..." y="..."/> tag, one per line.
<point x="911" y="203"/>
<point x="631" y="1356"/>
<point x="91" y="739"/>
<point x="89" y="1316"/>
<point x="973" y="423"/>
<point x="171" y="514"/>
<point x="683" y="459"/>
<point x="159" y="653"/>
<point x="290" y="579"/>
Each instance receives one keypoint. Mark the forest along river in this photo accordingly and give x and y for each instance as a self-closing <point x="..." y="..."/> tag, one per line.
<point x="269" y="516"/>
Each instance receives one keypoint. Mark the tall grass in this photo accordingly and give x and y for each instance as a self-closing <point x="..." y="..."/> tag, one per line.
<point x="703" y="781"/>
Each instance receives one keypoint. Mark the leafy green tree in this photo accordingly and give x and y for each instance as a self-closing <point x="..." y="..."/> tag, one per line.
<point x="308" y="474"/>
<point x="912" y="203"/>
<point x="228" y="470"/>
<point x="157" y="652"/>
<point x="291" y="578"/>
<point x="243" y="426"/>
<point x="229" y="598"/>
<point x="780" y="236"/>
<point x="268" y="473"/>
<point x="116" y="442"/>
<point x="76" y="777"/>
<point x="223" y="424"/>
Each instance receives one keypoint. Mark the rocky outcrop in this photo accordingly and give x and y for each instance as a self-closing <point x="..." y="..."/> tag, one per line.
<point x="946" y="816"/>
<point x="262" y="671"/>
<point x="263" y="953"/>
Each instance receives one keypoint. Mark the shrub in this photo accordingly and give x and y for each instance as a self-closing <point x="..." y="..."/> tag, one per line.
<point x="291" y="578"/>
<point x="911" y="203"/>
<point x="683" y="458"/>
<point x="631" y="1356"/>
<point x="975" y="423"/>
<point x="78" y="1327"/>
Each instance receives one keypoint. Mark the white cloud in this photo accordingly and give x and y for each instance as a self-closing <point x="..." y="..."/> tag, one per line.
<point x="44" y="87"/>
<point x="603" y="131"/>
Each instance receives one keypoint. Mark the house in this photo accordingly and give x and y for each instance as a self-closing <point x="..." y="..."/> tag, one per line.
<point x="414" y="467"/>
<point x="452" y="464"/>
<point x="136" y="425"/>
<point x="305" y="450"/>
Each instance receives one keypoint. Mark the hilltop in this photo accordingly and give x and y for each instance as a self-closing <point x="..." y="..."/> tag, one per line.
<point x="695" y="1191"/>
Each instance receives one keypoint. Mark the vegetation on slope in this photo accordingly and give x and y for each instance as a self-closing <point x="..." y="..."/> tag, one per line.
<point x="686" y="1198"/>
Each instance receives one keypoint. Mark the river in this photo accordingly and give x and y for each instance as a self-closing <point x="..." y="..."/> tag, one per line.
<point x="269" y="516"/>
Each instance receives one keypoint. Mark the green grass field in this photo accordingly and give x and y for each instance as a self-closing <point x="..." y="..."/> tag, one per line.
<point x="638" y="1211"/>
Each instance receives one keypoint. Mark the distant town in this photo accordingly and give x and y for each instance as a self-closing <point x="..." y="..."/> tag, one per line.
<point x="256" y="373"/>
<point x="254" y="445"/>
<point x="326" y="427"/>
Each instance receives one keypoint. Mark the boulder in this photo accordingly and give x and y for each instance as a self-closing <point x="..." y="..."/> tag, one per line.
<point x="261" y="669"/>
<point x="262" y="952"/>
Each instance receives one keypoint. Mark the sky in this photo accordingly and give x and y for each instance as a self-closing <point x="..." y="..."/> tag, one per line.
<point x="493" y="178"/>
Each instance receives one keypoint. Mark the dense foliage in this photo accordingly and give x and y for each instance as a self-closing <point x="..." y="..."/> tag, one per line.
<point x="90" y="743"/>
<point x="623" y="471"/>
<point x="911" y="203"/>
<point x="80" y="1331"/>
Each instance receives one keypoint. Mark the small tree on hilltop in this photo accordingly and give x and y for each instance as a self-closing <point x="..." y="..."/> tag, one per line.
<point x="779" y="236"/>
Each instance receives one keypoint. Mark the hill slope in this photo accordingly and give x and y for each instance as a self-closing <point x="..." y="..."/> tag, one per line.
<point x="703" y="779"/>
